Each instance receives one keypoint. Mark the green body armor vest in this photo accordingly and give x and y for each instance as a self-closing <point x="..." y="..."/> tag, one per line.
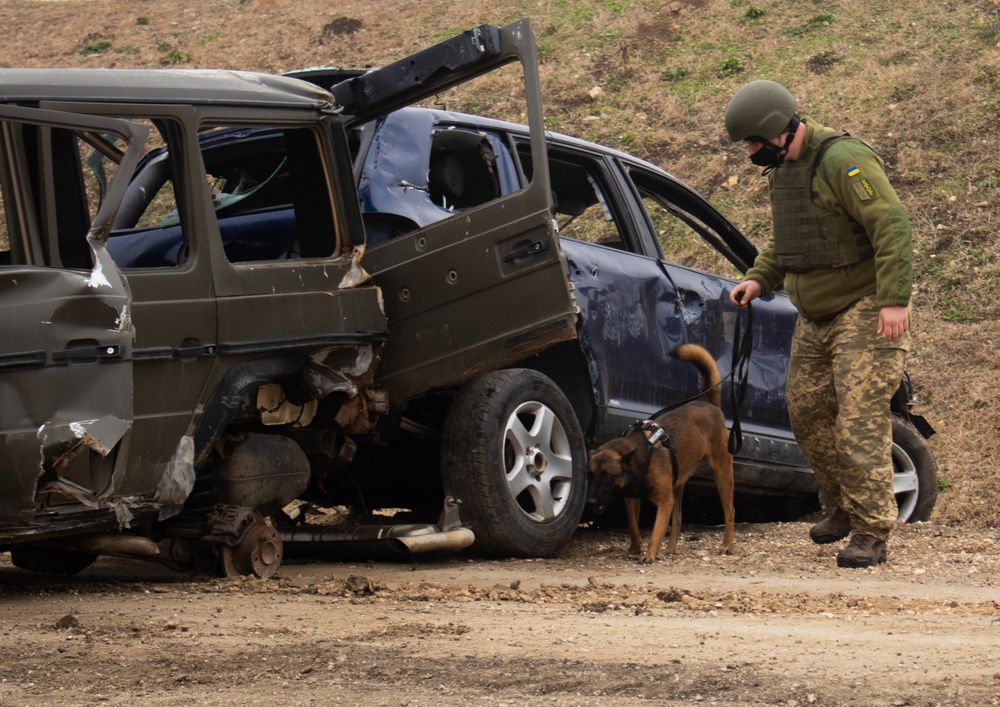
<point x="807" y="236"/>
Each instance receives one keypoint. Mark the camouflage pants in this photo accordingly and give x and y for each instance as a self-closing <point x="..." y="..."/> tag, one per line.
<point x="841" y="377"/>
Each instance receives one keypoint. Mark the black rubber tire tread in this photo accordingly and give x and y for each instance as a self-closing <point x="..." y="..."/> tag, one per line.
<point x="905" y="435"/>
<point x="472" y="464"/>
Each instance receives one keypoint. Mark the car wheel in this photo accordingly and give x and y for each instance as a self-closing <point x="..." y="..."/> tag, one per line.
<point x="915" y="473"/>
<point x="513" y="454"/>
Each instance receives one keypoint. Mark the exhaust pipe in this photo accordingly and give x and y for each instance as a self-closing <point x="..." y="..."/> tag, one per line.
<point x="132" y="546"/>
<point x="367" y="540"/>
<point x="381" y="540"/>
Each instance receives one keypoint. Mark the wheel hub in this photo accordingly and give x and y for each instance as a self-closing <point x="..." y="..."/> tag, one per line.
<point x="258" y="552"/>
<point x="536" y="462"/>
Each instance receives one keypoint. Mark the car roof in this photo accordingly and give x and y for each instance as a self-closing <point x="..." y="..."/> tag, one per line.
<point x="173" y="86"/>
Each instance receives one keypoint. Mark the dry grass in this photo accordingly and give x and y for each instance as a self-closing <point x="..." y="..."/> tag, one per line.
<point x="918" y="79"/>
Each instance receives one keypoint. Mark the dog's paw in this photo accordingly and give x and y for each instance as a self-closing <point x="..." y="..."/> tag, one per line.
<point x="647" y="559"/>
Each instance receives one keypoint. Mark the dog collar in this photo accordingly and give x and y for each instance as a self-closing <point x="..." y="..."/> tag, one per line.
<point x="656" y="433"/>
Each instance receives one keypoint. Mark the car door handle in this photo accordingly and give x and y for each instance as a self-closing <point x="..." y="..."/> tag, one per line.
<point x="527" y="251"/>
<point x="88" y="353"/>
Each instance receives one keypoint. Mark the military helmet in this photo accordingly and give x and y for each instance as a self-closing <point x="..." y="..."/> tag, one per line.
<point x="762" y="109"/>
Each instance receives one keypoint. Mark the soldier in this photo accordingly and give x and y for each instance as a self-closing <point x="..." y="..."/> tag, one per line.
<point x="841" y="248"/>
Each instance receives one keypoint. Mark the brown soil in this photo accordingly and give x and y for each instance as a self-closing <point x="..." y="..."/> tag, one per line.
<point x="776" y="623"/>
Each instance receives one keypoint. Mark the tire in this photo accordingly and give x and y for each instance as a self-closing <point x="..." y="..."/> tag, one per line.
<point x="914" y="472"/>
<point x="512" y="452"/>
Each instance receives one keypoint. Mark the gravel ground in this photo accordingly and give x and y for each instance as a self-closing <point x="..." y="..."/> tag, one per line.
<point x="775" y="623"/>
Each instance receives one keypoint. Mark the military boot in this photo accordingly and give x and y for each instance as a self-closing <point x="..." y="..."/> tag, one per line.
<point x="834" y="528"/>
<point x="863" y="551"/>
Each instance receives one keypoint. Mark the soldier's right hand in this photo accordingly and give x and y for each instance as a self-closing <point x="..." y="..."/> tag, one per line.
<point x="744" y="293"/>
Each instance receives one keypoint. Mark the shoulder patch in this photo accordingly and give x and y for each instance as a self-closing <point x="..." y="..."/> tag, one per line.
<point x="864" y="189"/>
<point x="853" y="171"/>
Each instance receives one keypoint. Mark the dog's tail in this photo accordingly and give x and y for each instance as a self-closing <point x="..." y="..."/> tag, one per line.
<point x="702" y="359"/>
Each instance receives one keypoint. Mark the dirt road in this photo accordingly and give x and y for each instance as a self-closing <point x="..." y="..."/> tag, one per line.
<point x="777" y="623"/>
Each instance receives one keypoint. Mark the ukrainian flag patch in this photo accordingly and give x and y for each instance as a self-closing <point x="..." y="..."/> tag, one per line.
<point x="853" y="171"/>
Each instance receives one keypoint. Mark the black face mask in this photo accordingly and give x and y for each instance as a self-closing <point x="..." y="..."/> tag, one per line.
<point x="769" y="155"/>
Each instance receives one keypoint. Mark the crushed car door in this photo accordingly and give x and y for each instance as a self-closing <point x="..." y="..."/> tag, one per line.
<point x="65" y="358"/>
<point x="487" y="285"/>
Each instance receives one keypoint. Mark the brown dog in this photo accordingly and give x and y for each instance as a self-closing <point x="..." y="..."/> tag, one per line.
<point x="645" y="462"/>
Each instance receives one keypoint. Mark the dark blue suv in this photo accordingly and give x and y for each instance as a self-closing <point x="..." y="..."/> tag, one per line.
<point x="651" y="263"/>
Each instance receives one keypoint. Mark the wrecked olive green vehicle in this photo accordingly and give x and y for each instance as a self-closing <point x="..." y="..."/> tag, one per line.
<point x="193" y="351"/>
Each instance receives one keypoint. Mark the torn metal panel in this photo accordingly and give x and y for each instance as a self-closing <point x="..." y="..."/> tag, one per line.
<point x="68" y="488"/>
<point x="339" y="369"/>
<point x="123" y="510"/>
<point x="178" y="475"/>
<point x="62" y="446"/>
<point x="352" y="415"/>
<point x="21" y="471"/>
<point x="97" y="278"/>
<point x="355" y="274"/>
<point x="125" y="321"/>
<point x="100" y="435"/>
<point x="67" y="385"/>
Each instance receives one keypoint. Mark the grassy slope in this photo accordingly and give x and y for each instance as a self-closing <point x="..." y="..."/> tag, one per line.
<point x="919" y="79"/>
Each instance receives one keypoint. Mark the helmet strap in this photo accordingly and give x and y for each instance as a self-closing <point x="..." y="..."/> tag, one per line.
<point x="793" y="127"/>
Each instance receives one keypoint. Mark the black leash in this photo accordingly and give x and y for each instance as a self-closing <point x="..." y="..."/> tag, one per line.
<point x="738" y="375"/>
<point x="683" y="402"/>
<point x="742" y="347"/>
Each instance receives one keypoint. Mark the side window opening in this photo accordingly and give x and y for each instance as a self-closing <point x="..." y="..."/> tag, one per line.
<point x="421" y="167"/>
<point x="460" y="168"/>
<point x="358" y="139"/>
<point x="684" y="238"/>
<point x="270" y="193"/>
<point x="317" y="230"/>
<point x="463" y="170"/>
<point x="96" y="158"/>
<point x="579" y="199"/>
<point x="62" y="176"/>
<point x="19" y="183"/>
<point x="147" y="231"/>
